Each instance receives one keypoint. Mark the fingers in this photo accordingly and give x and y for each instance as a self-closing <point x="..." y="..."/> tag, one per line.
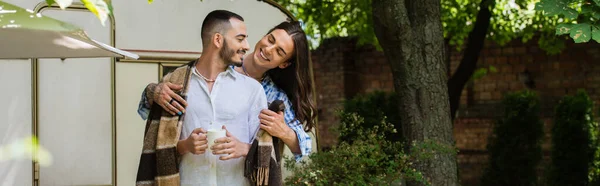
<point x="223" y="143"/>
<point x="230" y="156"/>
<point x="223" y="140"/>
<point x="176" y="96"/>
<point x="265" y="117"/>
<point x="178" y="107"/>
<point x="199" y="131"/>
<point x="227" y="133"/>
<point x="170" y="108"/>
<point x="217" y="151"/>
<point x="198" y="143"/>
<point x="200" y="149"/>
<point x="166" y="94"/>
<point x="266" y="128"/>
<point x="268" y="112"/>
<point x="174" y="86"/>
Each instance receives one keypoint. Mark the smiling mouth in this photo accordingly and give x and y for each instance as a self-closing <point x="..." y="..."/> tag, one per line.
<point x="263" y="55"/>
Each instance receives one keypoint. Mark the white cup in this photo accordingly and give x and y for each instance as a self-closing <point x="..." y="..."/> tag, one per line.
<point x="212" y="135"/>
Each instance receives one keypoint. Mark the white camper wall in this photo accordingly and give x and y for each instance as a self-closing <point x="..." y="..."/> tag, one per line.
<point x="75" y="111"/>
<point x="132" y="78"/>
<point x="15" y="119"/>
<point x="176" y="25"/>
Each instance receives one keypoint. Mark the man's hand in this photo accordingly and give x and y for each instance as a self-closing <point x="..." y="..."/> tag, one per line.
<point x="164" y="95"/>
<point x="230" y="146"/>
<point x="196" y="143"/>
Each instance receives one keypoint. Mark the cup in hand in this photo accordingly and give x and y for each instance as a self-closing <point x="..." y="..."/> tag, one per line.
<point x="212" y="135"/>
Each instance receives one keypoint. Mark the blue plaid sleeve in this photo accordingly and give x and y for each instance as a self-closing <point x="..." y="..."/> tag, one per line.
<point x="304" y="141"/>
<point x="144" y="106"/>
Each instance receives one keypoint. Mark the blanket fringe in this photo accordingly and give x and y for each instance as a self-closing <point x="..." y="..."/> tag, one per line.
<point x="263" y="176"/>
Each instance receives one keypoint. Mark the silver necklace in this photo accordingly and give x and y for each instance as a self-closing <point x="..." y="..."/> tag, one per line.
<point x="246" y="72"/>
<point x="205" y="79"/>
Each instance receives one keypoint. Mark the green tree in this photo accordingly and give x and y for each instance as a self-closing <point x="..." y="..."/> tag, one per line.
<point x="580" y="19"/>
<point x="515" y="147"/>
<point x="574" y="141"/>
<point x="466" y="25"/>
<point x="416" y="37"/>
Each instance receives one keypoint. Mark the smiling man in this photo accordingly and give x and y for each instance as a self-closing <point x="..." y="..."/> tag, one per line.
<point x="217" y="97"/>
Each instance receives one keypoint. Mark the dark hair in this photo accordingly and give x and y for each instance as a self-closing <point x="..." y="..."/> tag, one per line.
<point x="294" y="79"/>
<point x="217" y="22"/>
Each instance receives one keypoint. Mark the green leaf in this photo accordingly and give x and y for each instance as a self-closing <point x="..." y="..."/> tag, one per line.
<point x="150" y="1"/>
<point x="581" y="33"/>
<point x="563" y="28"/>
<point x="556" y="7"/>
<point x="99" y="8"/>
<point x="110" y="7"/>
<point x="596" y="34"/>
<point x="479" y="73"/>
<point x="493" y="69"/>
<point x="50" y="2"/>
<point x="550" y="7"/>
<point x="591" y="10"/>
<point x="570" y="13"/>
<point x="63" y="3"/>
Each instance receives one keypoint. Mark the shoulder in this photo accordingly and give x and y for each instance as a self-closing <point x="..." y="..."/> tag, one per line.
<point x="273" y="92"/>
<point x="246" y="82"/>
<point x="177" y="76"/>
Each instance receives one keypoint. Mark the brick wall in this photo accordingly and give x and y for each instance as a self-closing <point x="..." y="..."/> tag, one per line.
<point x="343" y="70"/>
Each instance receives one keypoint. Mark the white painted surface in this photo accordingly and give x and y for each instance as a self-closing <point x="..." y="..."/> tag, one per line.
<point x="75" y="116"/>
<point x="15" y="119"/>
<point x="132" y="78"/>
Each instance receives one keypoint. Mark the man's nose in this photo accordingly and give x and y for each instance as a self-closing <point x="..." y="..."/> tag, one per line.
<point x="245" y="45"/>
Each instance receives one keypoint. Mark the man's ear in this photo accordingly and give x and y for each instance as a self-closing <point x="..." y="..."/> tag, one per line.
<point x="217" y="40"/>
<point x="284" y="65"/>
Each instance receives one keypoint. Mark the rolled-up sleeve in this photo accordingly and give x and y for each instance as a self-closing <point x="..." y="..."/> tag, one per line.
<point x="144" y="106"/>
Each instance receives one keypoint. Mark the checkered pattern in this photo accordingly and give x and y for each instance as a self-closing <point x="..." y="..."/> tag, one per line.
<point x="273" y="93"/>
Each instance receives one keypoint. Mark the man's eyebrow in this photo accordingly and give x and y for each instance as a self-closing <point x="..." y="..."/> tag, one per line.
<point x="241" y="35"/>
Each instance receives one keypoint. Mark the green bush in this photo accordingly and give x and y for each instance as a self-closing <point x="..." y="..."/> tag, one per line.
<point x="514" y="147"/>
<point x="573" y="141"/>
<point x="374" y="108"/>
<point x="369" y="160"/>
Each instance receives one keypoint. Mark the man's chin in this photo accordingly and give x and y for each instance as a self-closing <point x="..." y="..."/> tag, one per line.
<point x="237" y="63"/>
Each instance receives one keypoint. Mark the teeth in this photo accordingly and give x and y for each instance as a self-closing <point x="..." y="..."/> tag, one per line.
<point x="263" y="56"/>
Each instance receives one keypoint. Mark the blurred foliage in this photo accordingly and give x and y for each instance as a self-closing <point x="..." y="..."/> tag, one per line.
<point x="511" y="19"/>
<point x="100" y="8"/>
<point x="580" y="19"/>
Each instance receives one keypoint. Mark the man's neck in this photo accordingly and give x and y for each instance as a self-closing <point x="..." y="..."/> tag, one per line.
<point x="249" y="69"/>
<point x="210" y="66"/>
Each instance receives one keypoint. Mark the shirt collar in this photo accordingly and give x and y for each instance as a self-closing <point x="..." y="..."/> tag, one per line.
<point x="229" y="72"/>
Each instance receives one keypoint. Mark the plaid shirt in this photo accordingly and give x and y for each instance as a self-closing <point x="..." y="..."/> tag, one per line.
<point x="273" y="93"/>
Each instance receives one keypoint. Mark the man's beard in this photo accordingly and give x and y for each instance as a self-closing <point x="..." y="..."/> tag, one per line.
<point x="227" y="54"/>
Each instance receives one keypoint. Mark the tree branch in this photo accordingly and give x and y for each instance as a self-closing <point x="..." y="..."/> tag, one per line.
<point x="467" y="66"/>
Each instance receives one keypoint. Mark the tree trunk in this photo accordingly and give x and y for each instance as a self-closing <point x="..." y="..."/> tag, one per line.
<point x="467" y="66"/>
<point x="410" y="32"/>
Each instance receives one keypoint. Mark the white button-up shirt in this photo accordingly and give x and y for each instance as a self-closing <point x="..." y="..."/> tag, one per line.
<point x="235" y="101"/>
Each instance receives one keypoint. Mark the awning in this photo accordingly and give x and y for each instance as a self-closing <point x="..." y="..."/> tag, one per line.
<point x="24" y="34"/>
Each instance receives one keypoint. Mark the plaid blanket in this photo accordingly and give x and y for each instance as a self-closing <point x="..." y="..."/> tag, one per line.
<point x="159" y="162"/>
<point x="263" y="162"/>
